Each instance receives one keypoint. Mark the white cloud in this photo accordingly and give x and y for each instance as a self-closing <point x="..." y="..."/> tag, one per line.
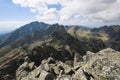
<point x="72" y="10"/>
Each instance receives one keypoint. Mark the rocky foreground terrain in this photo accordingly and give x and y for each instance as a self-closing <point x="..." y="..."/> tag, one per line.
<point x="103" y="65"/>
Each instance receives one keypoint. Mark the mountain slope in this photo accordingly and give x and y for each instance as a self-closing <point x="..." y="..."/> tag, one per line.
<point x="54" y="53"/>
<point x="113" y="33"/>
<point x="93" y="41"/>
<point x="23" y="31"/>
<point x="87" y="33"/>
<point x="22" y="64"/>
<point x="33" y="36"/>
<point x="59" y="45"/>
<point x="98" y="38"/>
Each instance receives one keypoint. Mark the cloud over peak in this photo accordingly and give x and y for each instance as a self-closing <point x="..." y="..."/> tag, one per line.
<point x="73" y="10"/>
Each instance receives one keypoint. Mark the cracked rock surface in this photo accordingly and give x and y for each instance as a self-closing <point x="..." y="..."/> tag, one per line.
<point x="103" y="65"/>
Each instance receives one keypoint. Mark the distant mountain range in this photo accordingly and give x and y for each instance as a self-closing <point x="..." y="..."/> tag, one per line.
<point x="27" y="34"/>
<point x="27" y="48"/>
<point x="105" y="36"/>
<point x="26" y="30"/>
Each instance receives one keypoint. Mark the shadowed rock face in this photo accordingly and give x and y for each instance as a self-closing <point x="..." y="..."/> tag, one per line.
<point x="43" y="52"/>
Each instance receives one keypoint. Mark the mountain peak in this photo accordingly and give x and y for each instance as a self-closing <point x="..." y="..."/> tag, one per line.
<point x="24" y="31"/>
<point x="36" y="23"/>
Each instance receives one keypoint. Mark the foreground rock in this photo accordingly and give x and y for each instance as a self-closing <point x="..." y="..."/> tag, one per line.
<point x="104" y="65"/>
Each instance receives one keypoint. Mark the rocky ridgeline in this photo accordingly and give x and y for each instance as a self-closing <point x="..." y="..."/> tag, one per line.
<point x="60" y="56"/>
<point x="103" y="65"/>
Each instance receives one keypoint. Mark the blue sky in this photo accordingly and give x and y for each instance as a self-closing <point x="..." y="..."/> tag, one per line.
<point x="13" y="16"/>
<point x="93" y="13"/>
<point x="12" y="12"/>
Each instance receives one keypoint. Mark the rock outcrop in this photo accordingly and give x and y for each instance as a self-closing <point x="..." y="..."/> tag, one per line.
<point x="103" y="65"/>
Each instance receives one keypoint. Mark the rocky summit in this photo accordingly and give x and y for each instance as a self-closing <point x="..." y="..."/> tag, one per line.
<point x="103" y="65"/>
